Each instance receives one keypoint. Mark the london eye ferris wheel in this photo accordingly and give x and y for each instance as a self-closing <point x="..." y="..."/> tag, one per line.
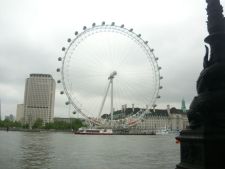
<point x="105" y="67"/>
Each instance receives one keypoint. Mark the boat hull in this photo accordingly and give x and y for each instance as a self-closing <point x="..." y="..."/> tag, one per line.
<point x="77" y="133"/>
<point x="83" y="131"/>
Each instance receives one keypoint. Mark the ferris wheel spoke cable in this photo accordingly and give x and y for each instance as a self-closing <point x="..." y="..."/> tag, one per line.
<point x="126" y="53"/>
<point x="94" y="59"/>
<point x="118" y="94"/>
<point x="124" y="90"/>
<point x="124" y="58"/>
<point x="110" y="50"/>
<point x="141" y="86"/>
<point x="128" y="90"/>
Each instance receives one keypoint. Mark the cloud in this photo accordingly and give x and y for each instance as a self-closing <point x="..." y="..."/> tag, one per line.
<point x="33" y="33"/>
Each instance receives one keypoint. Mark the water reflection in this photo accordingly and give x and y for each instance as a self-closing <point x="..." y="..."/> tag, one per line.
<point x="37" y="150"/>
<point x="21" y="150"/>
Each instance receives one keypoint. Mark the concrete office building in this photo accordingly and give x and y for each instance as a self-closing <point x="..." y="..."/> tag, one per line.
<point x="20" y="113"/>
<point x="39" y="98"/>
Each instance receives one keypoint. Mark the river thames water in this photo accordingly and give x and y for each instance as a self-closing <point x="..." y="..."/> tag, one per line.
<point x="49" y="150"/>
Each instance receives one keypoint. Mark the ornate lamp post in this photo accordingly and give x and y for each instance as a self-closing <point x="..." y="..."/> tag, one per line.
<point x="203" y="143"/>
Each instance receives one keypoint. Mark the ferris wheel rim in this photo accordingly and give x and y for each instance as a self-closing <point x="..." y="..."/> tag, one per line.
<point x="117" y="29"/>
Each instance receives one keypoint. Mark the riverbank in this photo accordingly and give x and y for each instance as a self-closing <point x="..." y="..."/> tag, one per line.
<point x="35" y="130"/>
<point x="66" y="131"/>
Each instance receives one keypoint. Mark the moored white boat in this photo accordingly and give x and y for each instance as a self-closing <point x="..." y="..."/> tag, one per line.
<point x="91" y="131"/>
<point x="162" y="131"/>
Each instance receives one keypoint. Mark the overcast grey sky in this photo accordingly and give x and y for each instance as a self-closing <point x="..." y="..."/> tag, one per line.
<point x="33" y="32"/>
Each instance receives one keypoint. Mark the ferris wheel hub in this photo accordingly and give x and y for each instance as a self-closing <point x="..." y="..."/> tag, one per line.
<point x="112" y="75"/>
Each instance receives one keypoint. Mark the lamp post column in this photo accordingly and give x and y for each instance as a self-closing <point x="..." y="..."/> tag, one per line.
<point x="203" y="143"/>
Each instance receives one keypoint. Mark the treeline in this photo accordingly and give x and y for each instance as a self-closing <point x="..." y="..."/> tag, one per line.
<point x="75" y="124"/>
<point x="38" y="124"/>
<point x="7" y="123"/>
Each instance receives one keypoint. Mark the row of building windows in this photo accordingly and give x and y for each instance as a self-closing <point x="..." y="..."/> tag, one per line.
<point x="40" y="75"/>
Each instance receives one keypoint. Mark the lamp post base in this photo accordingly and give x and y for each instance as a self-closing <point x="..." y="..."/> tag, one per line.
<point x="202" y="149"/>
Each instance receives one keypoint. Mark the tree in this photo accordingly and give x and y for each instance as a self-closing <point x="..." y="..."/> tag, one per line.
<point x="62" y="125"/>
<point x="38" y="123"/>
<point x="76" y="124"/>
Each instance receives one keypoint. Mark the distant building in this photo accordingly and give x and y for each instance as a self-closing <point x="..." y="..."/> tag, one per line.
<point x="178" y="119"/>
<point x="171" y="118"/>
<point x="183" y="106"/>
<point x="20" y="112"/>
<point x="10" y="117"/>
<point x="39" y="98"/>
<point x="155" y="119"/>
